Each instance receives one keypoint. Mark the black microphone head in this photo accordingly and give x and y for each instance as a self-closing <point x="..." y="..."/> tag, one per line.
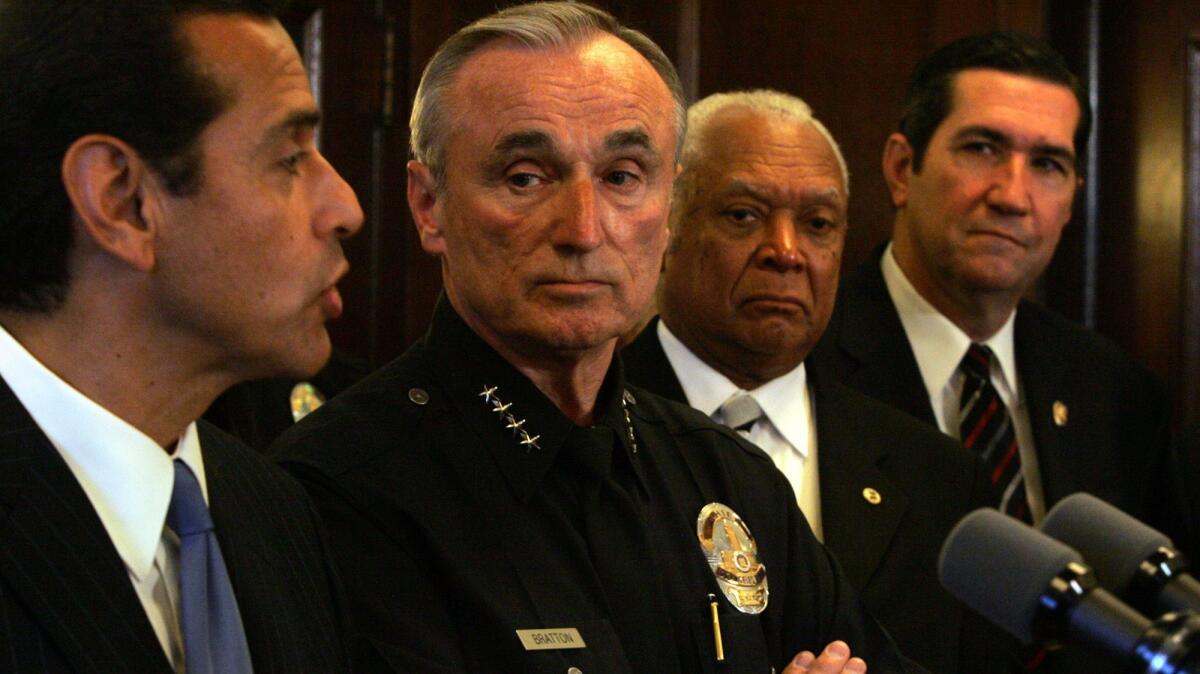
<point x="1000" y="568"/>
<point x="1113" y="543"/>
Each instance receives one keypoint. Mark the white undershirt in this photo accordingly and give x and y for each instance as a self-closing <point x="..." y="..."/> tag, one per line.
<point x="787" y="430"/>
<point x="127" y="477"/>
<point x="939" y="346"/>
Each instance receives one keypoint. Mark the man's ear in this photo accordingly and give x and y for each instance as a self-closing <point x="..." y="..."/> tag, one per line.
<point x="423" y="201"/>
<point x="897" y="167"/>
<point x="106" y="180"/>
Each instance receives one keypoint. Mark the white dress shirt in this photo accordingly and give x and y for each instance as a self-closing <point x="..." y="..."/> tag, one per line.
<point x="939" y="346"/>
<point x="786" y="431"/>
<point x="127" y="477"/>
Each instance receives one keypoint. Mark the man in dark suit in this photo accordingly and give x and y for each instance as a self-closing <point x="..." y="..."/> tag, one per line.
<point x="982" y="174"/>
<point x="758" y="222"/>
<point x="499" y="499"/>
<point x="169" y="229"/>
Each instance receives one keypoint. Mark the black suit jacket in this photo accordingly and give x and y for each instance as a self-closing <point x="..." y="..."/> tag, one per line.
<point x="66" y="603"/>
<point x="1113" y="443"/>
<point x="888" y="550"/>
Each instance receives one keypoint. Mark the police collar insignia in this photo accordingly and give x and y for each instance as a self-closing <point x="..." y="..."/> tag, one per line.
<point x="511" y="422"/>
<point x="733" y="556"/>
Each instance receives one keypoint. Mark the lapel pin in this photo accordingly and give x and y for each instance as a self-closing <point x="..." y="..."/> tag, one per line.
<point x="1060" y="413"/>
<point x="303" y="399"/>
<point x="872" y="496"/>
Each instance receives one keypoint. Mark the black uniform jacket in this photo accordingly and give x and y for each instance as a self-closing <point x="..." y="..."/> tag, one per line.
<point x="66" y="602"/>
<point x="888" y="546"/>
<point x="452" y="535"/>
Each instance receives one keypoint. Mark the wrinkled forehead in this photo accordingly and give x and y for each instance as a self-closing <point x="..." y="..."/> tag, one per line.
<point x="581" y="92"/>
<point x="746" y="148"/>
<point x="1041" y="107"/>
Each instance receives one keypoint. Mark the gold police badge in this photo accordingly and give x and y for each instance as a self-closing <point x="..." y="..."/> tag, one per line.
<point x="733" y="556"/>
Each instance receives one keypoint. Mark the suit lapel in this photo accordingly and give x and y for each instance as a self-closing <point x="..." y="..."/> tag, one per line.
<point x="242" y="529"/>
<point x="57" y="559"/>
<point x="646" y="365"/>
<point x="1043" y="376"/>
<point x="868" y="331"/>
<point x="857" y="531"/>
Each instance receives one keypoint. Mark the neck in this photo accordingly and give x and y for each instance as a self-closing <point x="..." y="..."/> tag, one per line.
<point x="118" y="366"/>
<point x="747" y="369"/>
<point x="979" y="313"/>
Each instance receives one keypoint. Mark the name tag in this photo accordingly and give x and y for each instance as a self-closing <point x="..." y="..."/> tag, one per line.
<point x="550" y="639"/>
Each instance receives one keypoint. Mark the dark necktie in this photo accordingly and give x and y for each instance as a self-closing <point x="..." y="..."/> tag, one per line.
<point x="213" y="639"/>
<point x="621" y="552"/>
<point x="986" y="428"/>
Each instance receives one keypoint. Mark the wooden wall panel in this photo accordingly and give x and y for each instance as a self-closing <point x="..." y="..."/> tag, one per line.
<point x="1141" y="265"/>
<point x="850" y="61"/>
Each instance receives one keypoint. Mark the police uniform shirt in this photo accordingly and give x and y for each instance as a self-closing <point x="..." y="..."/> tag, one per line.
<point x="466" y="508"/>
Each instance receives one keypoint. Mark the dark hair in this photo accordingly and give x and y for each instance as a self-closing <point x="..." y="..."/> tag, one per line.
<point x="73" y="67"/>
<point x="930" y="94"/>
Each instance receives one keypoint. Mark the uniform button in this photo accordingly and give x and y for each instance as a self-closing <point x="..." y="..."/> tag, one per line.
<point x="574" y="670"/>
<point x="418" y="396"/>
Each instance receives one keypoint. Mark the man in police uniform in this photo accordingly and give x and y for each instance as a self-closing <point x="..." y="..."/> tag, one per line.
<point x="500" y="499"/>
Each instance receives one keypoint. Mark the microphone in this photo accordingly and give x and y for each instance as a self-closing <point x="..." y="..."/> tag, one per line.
<point x="1136" y="562"/>
<point x="1040" y="591"/>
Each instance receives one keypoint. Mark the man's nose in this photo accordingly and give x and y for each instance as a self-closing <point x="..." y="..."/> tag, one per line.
<point x="780" y="246"/>
<point x="338" y="210"/>
<point x="1009" y="192"/>
<point x="578" y="217"/>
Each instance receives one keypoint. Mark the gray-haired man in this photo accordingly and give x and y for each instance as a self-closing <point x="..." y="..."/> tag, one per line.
<point x="502" y="500"/>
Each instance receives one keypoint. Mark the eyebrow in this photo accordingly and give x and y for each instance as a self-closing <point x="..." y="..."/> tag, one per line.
<point x="828" y="195"/>
<point x="1001" y="138"/>
<point x="305" y="118"/>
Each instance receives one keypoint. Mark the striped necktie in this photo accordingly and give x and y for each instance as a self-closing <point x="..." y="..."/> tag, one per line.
<point x="986" y="428"/>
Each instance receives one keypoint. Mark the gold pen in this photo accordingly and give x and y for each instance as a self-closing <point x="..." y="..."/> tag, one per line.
<point x="716" y="624"/>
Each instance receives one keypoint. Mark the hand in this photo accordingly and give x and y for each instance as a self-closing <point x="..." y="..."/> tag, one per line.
<point x="835" y="659"/>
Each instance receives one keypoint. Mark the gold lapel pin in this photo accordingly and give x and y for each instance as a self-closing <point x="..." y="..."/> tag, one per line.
<point x="870" y="495"/>
<point x="1060" y="413"/>
<point x="303" y="399"/>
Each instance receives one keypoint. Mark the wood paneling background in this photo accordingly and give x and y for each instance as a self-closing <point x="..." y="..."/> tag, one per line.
<point x="1126" y="266"/>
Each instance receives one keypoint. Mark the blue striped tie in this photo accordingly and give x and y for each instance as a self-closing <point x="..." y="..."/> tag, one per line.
<point x="213" y="639"/>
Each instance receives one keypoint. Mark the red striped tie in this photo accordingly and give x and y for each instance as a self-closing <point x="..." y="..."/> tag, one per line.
<point x="986" y="428"/>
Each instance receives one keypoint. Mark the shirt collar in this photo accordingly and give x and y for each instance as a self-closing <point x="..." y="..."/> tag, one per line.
<point x="470" y="366"/>
<point x="784" y="400"/>
<point x="126" y="475"/>
<point x="937" y="343"/>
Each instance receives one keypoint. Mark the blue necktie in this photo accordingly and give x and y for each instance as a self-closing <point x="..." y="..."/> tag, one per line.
<point x="213" y="639"/>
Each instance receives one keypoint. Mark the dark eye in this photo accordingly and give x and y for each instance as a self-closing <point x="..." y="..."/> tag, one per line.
<point x="980" y="147"/>
<point x="621" y="178"/>
<point x="524" y="180"/>
<point x="741" y="216"/>
<point x="1051" y="164"/>
<point x="822" y="224"/>
<point x="291" y="163"/>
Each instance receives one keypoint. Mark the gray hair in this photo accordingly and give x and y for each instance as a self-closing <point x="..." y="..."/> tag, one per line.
<point x="537" y="25"/>
<point x="765" y="102"/>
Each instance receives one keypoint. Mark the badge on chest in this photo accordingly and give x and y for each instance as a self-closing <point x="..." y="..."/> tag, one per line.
<point x="733" y="557"/>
